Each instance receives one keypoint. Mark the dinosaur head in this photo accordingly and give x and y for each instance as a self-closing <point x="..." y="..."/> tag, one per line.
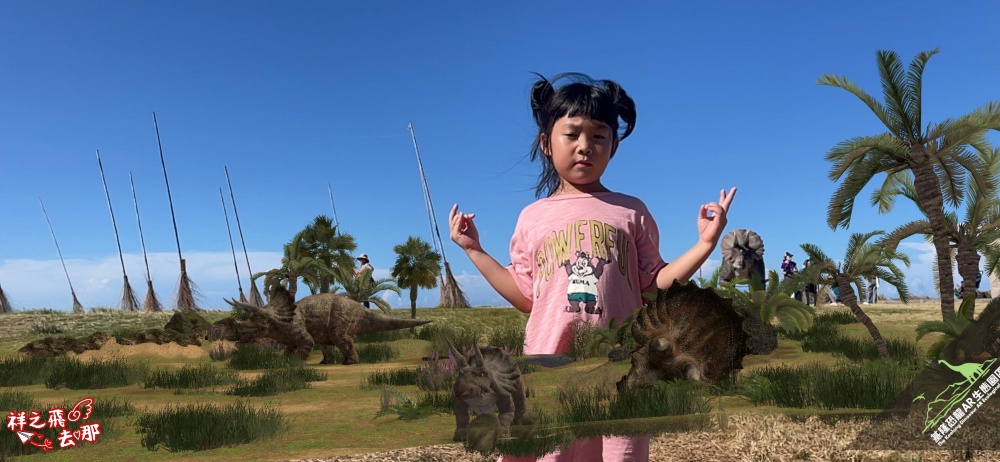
<point x="251" y="322"/>
<point x="474" y="382"/>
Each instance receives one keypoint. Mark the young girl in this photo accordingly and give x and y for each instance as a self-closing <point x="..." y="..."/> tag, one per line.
<point x="583" y="251"/>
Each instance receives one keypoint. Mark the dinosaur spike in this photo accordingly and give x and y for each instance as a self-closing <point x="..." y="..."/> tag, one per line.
<point x="459" y="359"/>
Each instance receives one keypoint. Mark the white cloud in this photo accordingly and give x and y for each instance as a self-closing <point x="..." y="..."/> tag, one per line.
<point x="98" y="282"/>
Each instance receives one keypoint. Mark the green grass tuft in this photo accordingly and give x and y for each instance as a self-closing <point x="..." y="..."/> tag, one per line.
<point x="190" y="377"/>
<point x="75" y="375"/>
<point x="250" y="356"/>
<point x="276" y="381"/>
<point x="198" y="427"/>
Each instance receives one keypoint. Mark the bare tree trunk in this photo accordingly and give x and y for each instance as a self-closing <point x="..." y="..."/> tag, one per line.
<point x="929" y="193"/>
<point x="851" y="301"/>
<point x="968" y="268"/>
<point x="413" y="301"/>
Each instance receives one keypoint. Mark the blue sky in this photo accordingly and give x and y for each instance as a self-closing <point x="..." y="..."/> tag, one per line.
<point x="291" y="96"/>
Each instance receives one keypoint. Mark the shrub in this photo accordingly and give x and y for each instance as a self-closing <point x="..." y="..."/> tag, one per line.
<point x="866" y="385"/>
<point x="190" y="377"/>
<point x="377" y="352"/>
<point x="507" y="335"/>
<point x="248" y="356"/>
<point x="47" y="329"/>
<point x="439" y="335"/>
<point x="437" y="374"/>
<point x="394" y="402"/>
<point x="75" y="375"/>
<point x="394" y="377"/>
<point x="384" y="336"/>
<point x="220" y="352"/>
<point x="197" y="427"/>
<point x="25" y="370"/>
<point x="276" y="381"/>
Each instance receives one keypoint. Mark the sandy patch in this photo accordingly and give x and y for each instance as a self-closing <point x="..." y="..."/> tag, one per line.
<point x="168" y="350"/>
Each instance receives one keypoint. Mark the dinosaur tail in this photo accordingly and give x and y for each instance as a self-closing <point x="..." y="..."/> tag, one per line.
<point x="379" y="322"/>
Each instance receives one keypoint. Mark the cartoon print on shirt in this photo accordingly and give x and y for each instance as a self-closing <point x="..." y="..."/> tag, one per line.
<point x="582" y="283"/>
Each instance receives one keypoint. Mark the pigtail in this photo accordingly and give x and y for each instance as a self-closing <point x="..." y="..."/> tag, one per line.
<point x="624" y="106"/>
<point x="541" y="93"/>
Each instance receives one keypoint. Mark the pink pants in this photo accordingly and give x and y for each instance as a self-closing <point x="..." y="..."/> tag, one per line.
<point x="597" y="449"/>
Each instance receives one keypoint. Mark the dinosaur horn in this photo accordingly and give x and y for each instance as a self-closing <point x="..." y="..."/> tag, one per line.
<point x="479" y="354"/>
<point x="243" y="306"/>
<point x="459" y="359"/>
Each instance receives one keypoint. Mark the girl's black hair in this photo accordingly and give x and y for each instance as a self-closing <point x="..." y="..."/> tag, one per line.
<point x="602" y="100"/>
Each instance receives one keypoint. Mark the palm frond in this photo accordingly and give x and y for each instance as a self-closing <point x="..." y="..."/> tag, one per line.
<point x="914" y="86"/>
<point x="893" y="79"/>
<point x="888" y="119"/>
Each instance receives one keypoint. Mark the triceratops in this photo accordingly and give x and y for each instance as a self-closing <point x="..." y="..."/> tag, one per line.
<point x="742" y="256"/>
<point x="329" y="320"/>
<point x="489" y="379"/>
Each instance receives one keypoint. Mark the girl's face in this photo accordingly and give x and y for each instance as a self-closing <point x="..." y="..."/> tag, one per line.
<point x="580" y="149"/>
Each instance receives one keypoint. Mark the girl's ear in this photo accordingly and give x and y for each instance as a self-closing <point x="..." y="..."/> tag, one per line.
<point x="543" y="144"/>
<point x="614" y="148"/>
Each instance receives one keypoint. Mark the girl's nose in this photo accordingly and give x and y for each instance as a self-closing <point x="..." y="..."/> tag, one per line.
<point x="584" y="145"/>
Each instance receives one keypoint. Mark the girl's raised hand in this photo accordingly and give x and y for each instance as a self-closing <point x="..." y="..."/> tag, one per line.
<point x="710" y="227"/>
<point x="463" y="230"/>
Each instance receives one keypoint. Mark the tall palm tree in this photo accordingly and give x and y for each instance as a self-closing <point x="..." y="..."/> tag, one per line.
<point x="939" y="156"/>
<point x="416" y="266"/>
<point x="862" y="261"/>
<point x="294" y="265"/>
<point x="979" y="228"/>
<point x="323" y="241"/>
<point x="362" y="286"/>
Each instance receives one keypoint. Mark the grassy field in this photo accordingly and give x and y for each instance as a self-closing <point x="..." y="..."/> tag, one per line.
<point x="336" y="416"/>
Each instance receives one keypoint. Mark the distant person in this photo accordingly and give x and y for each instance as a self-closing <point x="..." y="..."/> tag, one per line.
<point x="872" y="290"/>
<point x="789" y="268"/>
<point x="365" y="264"/>
<point x="811" y="290"/>
<point x="836" y="296"/>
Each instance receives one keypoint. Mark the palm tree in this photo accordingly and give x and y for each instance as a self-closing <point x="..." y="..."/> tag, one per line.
<point x="950" y="328"/>
<point x="862" y="261"/>
<point x="712" y="281"/>
<point x="979" y="229"/>
<point x="939" y="156"/>
<point x="769" y="301"/>
<point x="294" y="265"/>
<point x="416" y="266"/>
<point x="361" y="287"/>
<point x="323" y="241"/>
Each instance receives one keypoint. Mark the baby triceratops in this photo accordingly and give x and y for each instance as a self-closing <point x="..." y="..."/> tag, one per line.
<point x="489" y="379"/>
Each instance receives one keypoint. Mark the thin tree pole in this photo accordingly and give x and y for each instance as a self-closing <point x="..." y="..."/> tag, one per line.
<point x="451" y="293"/>
<point x="185" y="294"/>
<point x="129" y="302"/>
<point x="243" y="298"/>
<point x="5" y="307"/>
<point x="329" y="188"/>
<point x="255" y="298"/>
<point x="77" y="306"/>
<point x="152" y="303"/>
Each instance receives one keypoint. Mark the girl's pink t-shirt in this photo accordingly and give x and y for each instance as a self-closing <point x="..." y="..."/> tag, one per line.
<point x="583" y="256"/>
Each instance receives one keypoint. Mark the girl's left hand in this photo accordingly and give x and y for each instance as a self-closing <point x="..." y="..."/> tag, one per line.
<point x="710" y="227"/>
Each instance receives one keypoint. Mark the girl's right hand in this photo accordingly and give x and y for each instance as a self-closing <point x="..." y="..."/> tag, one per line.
<point x="463" y="230"/>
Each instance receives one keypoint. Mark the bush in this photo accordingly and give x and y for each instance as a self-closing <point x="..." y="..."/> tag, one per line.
<point x="220" y="352"/>
<point x="395" y="377"/>
<point x="249" y="356"/>
<point x="384" y="336"/>
<point x="25" y="370"/>
<point x="371" y="353"/>
<point x="47" y="329"/>
<point x="190" y="377"/>
<point x="197" y="427"/>
<point x="437" y="374"/>
<point x="439" y="335"/>
<point x="75" y="375"/>
<point x="507" y="335"/>
<point x="276" y="381"/>
<point x="866" y="385"/>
